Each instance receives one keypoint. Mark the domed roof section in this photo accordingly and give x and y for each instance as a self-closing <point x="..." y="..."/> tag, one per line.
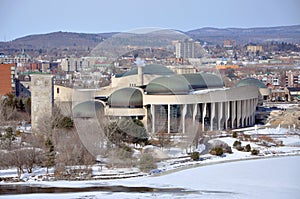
<point x="203" y="80"/>
<point x="88" y="109"/>
<point x="251" y="81"/>
<point x="126" y="98"/>
<point x="151" y="69"/>
<point x="168" y="85"/>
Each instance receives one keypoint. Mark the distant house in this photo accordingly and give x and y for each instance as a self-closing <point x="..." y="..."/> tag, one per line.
<point x="293" y="93"/>
<point x="278" y="95"/>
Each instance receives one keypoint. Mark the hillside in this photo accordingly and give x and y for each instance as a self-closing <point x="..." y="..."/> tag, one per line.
<point x="61" y="40"/>
<point x="246" y="35"/>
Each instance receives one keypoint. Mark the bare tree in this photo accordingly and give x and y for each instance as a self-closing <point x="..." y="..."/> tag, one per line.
<point x="192" y="135"/>
<point x="147" y="162"/>
<point x="164" y="139"/>
<point x="33" y="157"/>
<point x="18" y="160"/>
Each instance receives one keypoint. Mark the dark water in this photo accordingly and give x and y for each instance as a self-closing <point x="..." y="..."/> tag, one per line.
<point x="25" y="189"/>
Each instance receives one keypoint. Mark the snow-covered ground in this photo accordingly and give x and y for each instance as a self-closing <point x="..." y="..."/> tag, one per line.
<point x="267" y="178"/>
<point x="263" y="178"/>
<point x="268" y="131"/>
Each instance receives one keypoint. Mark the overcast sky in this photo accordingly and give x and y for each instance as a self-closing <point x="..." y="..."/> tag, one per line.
<point x="24" y="17"/>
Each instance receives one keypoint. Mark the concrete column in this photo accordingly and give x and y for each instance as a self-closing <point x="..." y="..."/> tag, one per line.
<point x="227" y="111"/>
<point x="238" y="113"/>
<point x="195" y="110"/>
<point x="253" y="110"/>
<point x="152" y="109"/>
<point x="254" y="104"/>
<point x="220" y="115"/>
<point x="243" y="113"/>
<point x="246" y="112"/>
<point x="254" y="107"/>
<point x="169" y="118"/>
<point x="233" y="113"/>
<point x="249" y="112"/>
<point x="183" y="114"/>
<point x="212" y="114"/>
<point x="204" y="105"/>
<point x="145" y="119"/>
<point x="255" y="101"/>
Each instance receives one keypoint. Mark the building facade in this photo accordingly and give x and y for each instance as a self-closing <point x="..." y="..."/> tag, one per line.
<point x="292" y="79"/>
<point x="254" y="48"/>
<point x="168" y="102"/>
<point x="7" y="75"/>
<point x="186" y="48"/>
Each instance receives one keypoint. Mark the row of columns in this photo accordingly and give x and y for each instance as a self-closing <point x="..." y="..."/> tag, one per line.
<point x="221" y="115"/>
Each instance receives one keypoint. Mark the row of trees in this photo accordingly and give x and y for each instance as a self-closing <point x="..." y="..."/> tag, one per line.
<point x="23" y="155"/>
<point x="55" y="144"/>
<point x="13" y="108"/>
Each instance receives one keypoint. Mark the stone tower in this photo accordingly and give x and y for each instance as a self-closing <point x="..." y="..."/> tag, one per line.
<point x="140" y="81"/>
<point x="41" y="99"/>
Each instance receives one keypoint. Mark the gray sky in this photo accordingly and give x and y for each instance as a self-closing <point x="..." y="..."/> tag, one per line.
<point x="24" y="17"/>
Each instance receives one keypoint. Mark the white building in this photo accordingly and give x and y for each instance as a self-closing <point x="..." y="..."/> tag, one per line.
<point x="167" y="102"/>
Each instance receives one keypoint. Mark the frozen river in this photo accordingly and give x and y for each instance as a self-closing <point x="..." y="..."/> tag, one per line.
<point x="263" y="178"/>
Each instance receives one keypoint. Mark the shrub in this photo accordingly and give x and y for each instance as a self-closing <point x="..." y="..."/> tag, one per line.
<point x="237" y="143"/>
<point x="239" y="148"/>
<point x="234" y="134"/>
<point x="217" y="151"/>
<point x="217" y="144"/>
<point x="254" y="152"/>
<point x="147" y="162"/>
<point x="18" y="133"/>
<point x="195" y="155"/>
<point x="248" y="148"/>
<point x="64" y="122"/>
<point x="125" y="152"/>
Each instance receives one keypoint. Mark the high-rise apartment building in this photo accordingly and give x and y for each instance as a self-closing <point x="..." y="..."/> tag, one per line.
<point x="292" y="78"/>
<point x="7" y="75"/>
<point x="186" y="48"/>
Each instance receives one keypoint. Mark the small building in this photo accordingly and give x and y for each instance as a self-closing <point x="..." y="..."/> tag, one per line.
<point x="293" y="93"/>
<point x="254" y="48"/>
<point x="278" y="95"/>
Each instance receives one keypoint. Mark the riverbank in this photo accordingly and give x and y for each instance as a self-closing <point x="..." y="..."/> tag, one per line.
<point x="269" y="177"/>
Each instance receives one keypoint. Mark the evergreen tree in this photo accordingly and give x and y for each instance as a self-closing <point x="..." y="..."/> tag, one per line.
<point x="21" y="105"/>
<point x="50" y="153"/>
<point x="9" y="136"/>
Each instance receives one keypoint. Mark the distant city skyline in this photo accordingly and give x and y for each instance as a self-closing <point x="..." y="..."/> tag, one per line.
<point x="20" y="18"/>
